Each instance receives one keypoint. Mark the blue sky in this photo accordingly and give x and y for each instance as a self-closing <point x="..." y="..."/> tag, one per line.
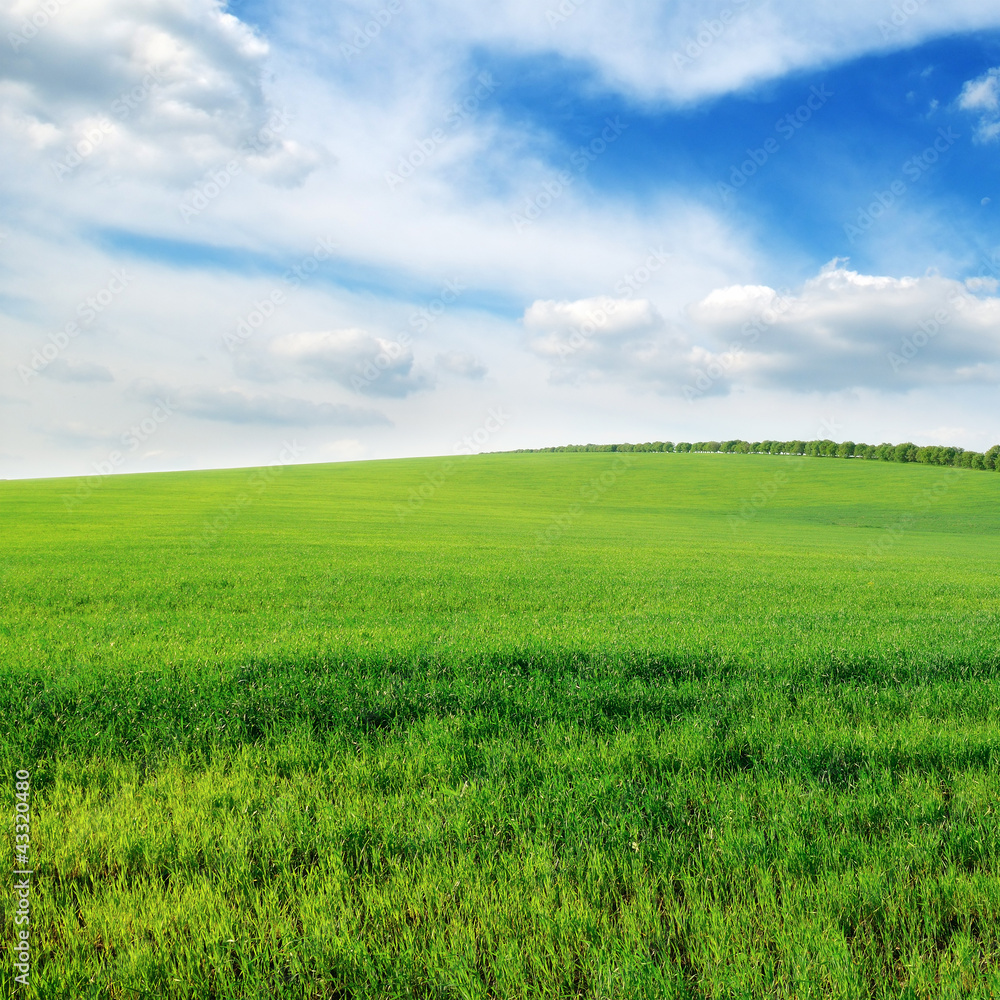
<point x="574" y="213"/>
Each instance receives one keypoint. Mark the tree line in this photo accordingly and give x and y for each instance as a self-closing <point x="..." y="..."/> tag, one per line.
<point x="957" y="458"/>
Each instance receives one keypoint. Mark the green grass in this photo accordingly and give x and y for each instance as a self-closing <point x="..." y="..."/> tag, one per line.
<point x="566" y="725"/>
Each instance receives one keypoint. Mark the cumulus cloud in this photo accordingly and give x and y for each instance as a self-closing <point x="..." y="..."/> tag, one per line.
<point x="237" y="406"/>
<point x="350" y="357"/>
<point x="840" y="330"/>
<point x="982" y="96"/>
<point x="609" y="339"/>
<point x="845" y="330"/>
<point x="162" y="88"/>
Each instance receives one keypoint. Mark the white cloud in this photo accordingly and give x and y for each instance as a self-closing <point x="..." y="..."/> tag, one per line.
<point x="159" y="89"/>
<point x="982" y="96"/>
<point x="607" y="338"/>
<point x="462" y="364"/>
<point x="681" y="52"/>
<point x="237" y="406"/>
<point x="350" y="357"/>
<point x="842" y="330"/>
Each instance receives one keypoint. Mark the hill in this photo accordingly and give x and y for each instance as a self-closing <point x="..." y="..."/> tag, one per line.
<point x="540" y="725"/>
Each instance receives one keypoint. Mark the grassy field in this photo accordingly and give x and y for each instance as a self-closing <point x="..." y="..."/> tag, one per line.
<point x="507" y="726"/>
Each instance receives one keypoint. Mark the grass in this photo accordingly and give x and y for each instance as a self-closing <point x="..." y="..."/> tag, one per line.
<point x="548" y="725"/>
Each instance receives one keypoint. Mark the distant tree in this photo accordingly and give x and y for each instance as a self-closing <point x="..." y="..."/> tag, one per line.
<point x="845" y="449"/>
<point x="906" y="452"/>
<point x="991" y="457"/>
<point x="682" y="447"/>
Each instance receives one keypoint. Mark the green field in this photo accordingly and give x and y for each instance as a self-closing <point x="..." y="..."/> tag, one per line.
<point x="507" y="726"/>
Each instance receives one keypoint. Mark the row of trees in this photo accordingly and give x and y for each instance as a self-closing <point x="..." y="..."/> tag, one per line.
<point x="907" y="452"/>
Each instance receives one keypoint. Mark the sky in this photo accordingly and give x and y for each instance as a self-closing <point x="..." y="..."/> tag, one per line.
<point x="251" y="234"/>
